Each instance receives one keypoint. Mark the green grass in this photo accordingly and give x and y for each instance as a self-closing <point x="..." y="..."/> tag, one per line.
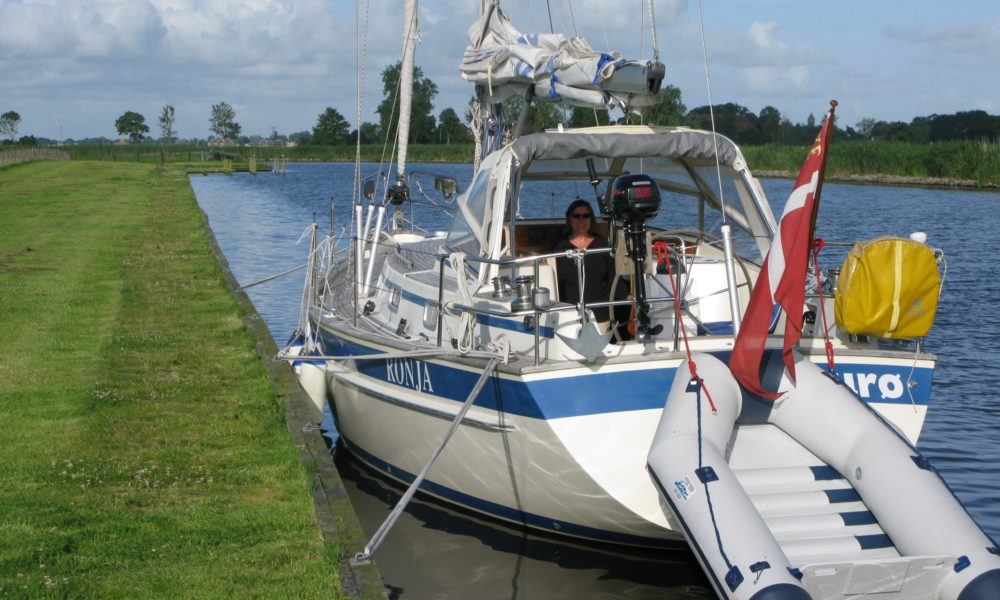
<point x="143" y="451"/>
<point x="972" y="161"/>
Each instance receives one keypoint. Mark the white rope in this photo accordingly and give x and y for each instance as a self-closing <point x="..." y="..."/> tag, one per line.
<point x="467" y="324"/>
<point x="364" y="557"/>
<point x="476" y="124"/>
<point x="652" y="26"/>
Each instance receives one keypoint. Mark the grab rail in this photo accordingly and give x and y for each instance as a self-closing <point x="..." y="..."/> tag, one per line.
<point x="535" y="311"/>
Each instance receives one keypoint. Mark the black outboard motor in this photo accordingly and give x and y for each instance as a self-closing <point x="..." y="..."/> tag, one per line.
<point x="633" y="200"/>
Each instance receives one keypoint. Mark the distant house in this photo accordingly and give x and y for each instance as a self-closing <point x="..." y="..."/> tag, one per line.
<point x="269" y="143"/>
<point x="121" y="143"/>
<point x="216" y="141"/>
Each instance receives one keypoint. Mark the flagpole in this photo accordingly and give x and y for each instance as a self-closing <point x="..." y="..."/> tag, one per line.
<point x="781" y="282"/>
<point x="822" y="169"/>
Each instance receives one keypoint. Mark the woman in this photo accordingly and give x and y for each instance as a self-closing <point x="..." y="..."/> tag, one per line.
<point x="599" y="269"/>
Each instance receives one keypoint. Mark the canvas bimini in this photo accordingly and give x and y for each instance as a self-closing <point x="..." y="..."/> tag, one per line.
<point x="450" y="361"/>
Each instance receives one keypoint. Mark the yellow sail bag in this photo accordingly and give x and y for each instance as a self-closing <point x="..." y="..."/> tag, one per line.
<point x="888" y="288"/>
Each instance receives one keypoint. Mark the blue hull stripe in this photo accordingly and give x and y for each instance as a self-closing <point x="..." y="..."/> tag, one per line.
<point x="595" y="393"/>
<point x="506" y="513"/>
<point x="586" y="394"/>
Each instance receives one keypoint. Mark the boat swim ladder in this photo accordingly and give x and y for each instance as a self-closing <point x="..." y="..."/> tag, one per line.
<point x="365" y="557"/>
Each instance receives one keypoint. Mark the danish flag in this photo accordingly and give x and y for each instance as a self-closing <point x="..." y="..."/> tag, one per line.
<point x="782" y="279"/>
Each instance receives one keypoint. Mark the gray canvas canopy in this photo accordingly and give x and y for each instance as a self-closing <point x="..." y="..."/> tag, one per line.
<point x="674" y="143"/>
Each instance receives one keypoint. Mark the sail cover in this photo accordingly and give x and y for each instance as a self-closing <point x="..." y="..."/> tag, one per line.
<point x="567" y="70"/>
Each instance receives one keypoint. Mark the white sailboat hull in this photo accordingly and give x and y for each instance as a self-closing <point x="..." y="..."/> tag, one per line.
<point x="559" y="450"/>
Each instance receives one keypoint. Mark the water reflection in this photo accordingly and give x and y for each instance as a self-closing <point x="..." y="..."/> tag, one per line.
<point x="435" y="551"/>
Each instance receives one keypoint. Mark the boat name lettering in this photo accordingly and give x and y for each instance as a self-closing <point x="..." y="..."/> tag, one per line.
<point x="683" y="489"/>
<point x="890" y="385"/>
<point x="409" y="373"/>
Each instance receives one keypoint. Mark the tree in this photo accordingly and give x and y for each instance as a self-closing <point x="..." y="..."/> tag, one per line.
<point x="669" y="112"/>
<point x="133" y="125"/>
<point x="866" y="127"/>
<point x="541" y="115"/>
<point x="769" y="124"/>
<point x="223" y="121"/>
<point x="368" y="133"/>
<point x="587" y="117"/>
<point x="167" y="124"/>
<point x="421" y="121"/>
<point x="731" y="120"/>
<point x="331" y="128"/>
<point x="450" y="127"/>
<point x="8" y="124"/>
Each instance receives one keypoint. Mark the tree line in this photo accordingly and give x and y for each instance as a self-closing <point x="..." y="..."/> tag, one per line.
<point x="733" y="120"/>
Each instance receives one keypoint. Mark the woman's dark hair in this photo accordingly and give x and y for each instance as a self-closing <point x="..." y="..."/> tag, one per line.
<point x="569" y="212"/>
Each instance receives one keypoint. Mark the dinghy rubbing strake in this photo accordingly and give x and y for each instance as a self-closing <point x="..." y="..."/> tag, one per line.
<point x="782" y="591"/>
<point x="984" y="587"/>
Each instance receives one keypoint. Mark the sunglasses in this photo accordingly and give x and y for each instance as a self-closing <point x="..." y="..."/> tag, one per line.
<point x="581" y="215"/>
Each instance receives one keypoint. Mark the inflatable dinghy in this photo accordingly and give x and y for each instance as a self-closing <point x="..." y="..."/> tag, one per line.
<point x="810" y="497"/>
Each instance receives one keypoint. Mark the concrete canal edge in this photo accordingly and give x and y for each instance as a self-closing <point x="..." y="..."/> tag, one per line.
<point x="338" y="523"/>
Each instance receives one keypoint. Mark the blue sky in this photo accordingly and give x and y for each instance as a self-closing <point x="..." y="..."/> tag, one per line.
<point x="71" y="67"/>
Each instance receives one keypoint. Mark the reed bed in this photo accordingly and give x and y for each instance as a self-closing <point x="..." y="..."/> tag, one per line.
<point x="957" y="163"/>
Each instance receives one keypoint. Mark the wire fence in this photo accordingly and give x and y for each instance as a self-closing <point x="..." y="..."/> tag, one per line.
<point x="13" y="157"/>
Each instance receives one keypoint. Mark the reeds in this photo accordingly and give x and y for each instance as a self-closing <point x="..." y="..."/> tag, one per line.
<point x="960" y="163"/>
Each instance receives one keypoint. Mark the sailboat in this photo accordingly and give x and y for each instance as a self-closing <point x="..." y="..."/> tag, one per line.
<point x="458" y="362"/>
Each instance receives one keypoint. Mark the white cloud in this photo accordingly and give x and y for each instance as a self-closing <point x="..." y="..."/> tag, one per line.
<point x="975" y="42"/>
<point x="46" y="28"/>
<point x="776" y="80"/>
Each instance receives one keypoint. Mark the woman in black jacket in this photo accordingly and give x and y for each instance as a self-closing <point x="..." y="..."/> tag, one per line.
<point x="599" y="269"/>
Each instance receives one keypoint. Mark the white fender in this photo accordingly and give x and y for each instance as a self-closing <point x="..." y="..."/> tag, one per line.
<point x="728" y="536"/>
<point x="311" y="375"/>
<point x="912" y="503"/>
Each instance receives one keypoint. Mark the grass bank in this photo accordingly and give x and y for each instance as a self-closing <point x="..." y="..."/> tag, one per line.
<point x="457" y="153"/>
<point x="143" y="451"/>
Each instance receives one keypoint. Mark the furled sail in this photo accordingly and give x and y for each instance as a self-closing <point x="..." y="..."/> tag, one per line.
<point x="505" y="62"/>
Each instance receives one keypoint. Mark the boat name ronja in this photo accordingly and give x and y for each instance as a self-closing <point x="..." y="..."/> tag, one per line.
<point x="409" y="373"/>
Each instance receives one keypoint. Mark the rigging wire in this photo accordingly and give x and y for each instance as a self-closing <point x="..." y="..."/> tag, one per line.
<point x="572" y="16"/>
<point x="711" y="115"/>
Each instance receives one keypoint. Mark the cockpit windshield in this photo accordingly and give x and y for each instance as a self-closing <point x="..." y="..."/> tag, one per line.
<point x="696" y="195"/>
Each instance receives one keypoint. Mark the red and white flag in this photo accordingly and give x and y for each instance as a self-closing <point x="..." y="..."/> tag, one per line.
<point x="782" y="279"/>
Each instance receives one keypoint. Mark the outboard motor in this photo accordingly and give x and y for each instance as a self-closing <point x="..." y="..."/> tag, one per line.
<point x="633" y="200"/>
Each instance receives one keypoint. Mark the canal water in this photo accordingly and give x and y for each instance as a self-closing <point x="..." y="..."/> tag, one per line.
<point x="437" y="552"/>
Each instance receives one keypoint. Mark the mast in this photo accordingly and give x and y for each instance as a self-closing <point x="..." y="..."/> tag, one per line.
<point x="406" y="83"/>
